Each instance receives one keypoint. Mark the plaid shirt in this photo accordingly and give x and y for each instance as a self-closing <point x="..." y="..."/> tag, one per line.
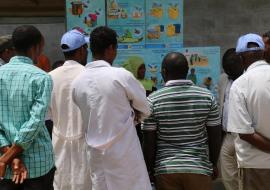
<point x="25" y="93"/>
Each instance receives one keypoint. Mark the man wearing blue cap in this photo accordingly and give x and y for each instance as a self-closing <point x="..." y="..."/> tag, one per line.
<point x="249" y="108"/>
<point x="68" y="133"/>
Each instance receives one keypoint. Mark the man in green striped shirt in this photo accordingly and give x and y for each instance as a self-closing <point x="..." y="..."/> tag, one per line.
<point x="25" y="92"/>
<point x="183" y="133"/>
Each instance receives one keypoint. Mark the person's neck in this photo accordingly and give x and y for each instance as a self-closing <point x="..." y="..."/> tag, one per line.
<point x="24" y="55"/>
<point x="99" y="58"/>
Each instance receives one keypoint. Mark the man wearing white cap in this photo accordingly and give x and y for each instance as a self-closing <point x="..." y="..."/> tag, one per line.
<point x="69" y="145"/>
<point x="249" y="108"/>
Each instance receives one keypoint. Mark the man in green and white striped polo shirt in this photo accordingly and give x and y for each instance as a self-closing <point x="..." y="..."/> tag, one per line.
<point x="183" y="134"/>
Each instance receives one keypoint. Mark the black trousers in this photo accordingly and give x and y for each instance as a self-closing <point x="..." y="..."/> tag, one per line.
<point x="40" y="183"/>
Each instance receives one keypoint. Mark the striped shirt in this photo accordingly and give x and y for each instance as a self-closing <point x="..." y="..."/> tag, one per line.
<point x="25" y="93"/>
<point x="180" y="113"/>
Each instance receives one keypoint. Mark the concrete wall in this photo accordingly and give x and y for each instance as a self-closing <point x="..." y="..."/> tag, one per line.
<point x="52" y="29"/>
<point x="221" y="22"/>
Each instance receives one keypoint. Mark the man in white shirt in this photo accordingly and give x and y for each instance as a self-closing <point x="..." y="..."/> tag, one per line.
<point x="71" y="158"/>
<point x="233" y="69"/>
<point x="249" y="108"/>
<point x="108" y="98"/>
<point x="6" y="49"/>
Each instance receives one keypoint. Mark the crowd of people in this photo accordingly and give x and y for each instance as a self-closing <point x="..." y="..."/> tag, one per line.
<point x="78" y="126"/>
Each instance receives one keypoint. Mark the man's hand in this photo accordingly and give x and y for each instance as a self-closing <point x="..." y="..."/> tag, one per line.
<point x="215" y="172"/>
<point x="137" y="116"/>
<point x="3" y="167"/>
<point x="19" y="171"/>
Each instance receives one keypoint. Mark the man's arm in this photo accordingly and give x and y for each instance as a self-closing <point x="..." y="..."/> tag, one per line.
<point x="137" y="96"/>
<point x="30" y="129"/>
<point x="215" y="141"/>
<point x="257" y="140"/>
<point x="149" y="128"/>
<point x="214" y="131"/>
<point x="149" y="151"/>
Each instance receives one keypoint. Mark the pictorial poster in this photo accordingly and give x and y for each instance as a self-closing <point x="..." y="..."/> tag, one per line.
<point x="204" y="64"/>
<point x="164" y="23"/>
<point x="127" y="18"/>
<point x="85" y="14"/>
<point x="152" y="59"/>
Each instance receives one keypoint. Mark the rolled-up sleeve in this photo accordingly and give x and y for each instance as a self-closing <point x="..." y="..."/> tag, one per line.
<point x="150" y="123"/>
<point x="29" y="130"/>
<point x="213" y="118"/>
<point x="239" y="120"/>
<point x="3" y="139"/>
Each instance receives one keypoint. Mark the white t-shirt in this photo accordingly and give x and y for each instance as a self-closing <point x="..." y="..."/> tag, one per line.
<point x="249" y="109"/>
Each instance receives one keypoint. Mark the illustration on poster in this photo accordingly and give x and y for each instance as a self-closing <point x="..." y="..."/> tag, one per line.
<point x="115" y="11"/>
<point x="173" y="11"/>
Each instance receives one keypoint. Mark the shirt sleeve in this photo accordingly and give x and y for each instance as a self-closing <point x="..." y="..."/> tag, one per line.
<point x="239" y="120"/>
<point x="29" y="130"/>
<point x="3" y="139"/>
<point x="213" y="118"/>
<point x="137" y="96"/>
<point x="150" y="123"/>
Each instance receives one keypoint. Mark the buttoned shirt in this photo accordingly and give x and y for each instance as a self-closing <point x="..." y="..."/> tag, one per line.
<point x="249" y="108"/>
<point x="25" y="93"/>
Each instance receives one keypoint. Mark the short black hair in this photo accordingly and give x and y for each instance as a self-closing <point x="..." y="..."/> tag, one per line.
<point x="26" y="36"/>
<point x="231" y="63"/>
<point x="176" y="65"/>
<point x="101" y="38"/>
<point x="266" y="35"/>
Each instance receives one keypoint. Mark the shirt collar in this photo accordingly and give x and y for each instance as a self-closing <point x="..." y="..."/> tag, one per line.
<point x="178" y="82"/>
<point x="99" y="63"/>
<point x="257" y="64"/>
<point x="71" y="62"/>
<point x="21" y="59"/>
<point x="2" y="62"/>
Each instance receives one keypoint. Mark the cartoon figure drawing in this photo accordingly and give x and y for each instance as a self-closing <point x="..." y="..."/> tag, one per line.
<point x="173" y="11"/>
<point x="153" y="69"/>
<point x="77" y="7"/>
<point x="137" y="12"/>
<point x="157" y="10"/>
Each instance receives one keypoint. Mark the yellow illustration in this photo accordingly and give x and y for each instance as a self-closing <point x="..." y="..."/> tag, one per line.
<point x="173" y="30"/>
<point x="154" y="32"/>
<point x="170" y="30"/>
<point x="116" y="12"/>
<point x="173" y="11"/>
<point x="157" y="10"/>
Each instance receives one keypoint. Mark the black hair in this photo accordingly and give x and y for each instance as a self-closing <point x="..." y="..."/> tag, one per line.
<point x="266" y="35"/>
<point x="231" y="63"/>
<point x="101" y="38"/>
<point x="176" y="65"/>
<point x="26" y="36"/>
<point x="57" y="63"/>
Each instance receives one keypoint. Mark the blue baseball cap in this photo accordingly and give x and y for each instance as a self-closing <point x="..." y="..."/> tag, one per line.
<point x="242" y="43"/>
<point x="73" y="39"/>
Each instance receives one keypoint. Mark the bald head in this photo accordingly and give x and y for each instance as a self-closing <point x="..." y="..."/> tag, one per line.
<point x="174" y="66"/>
